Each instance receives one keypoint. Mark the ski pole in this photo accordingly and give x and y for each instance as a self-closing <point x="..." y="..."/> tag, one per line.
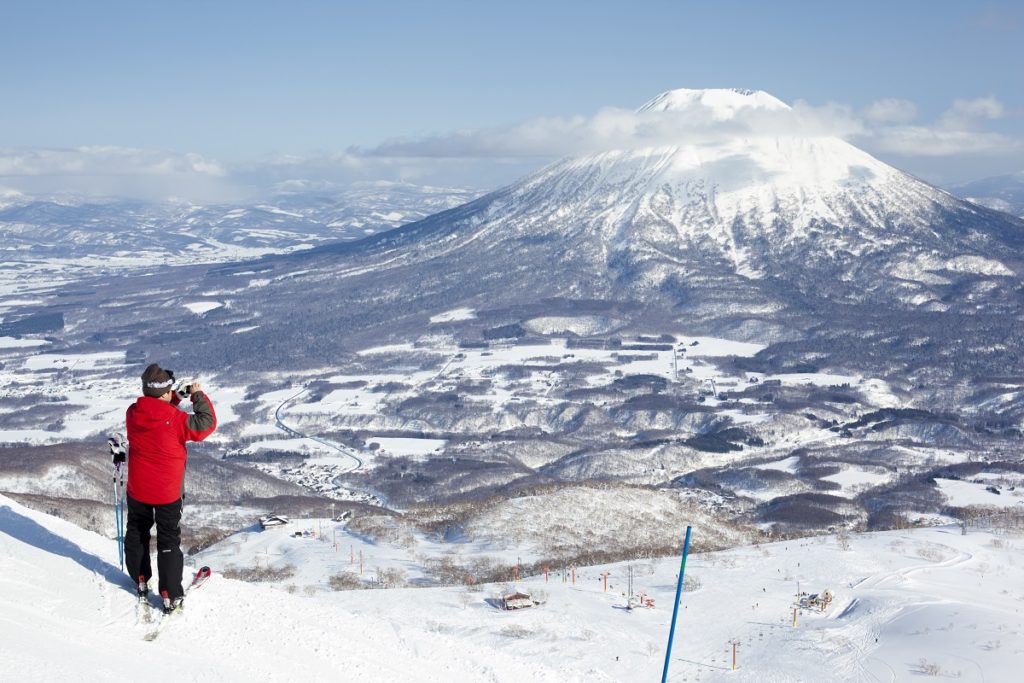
<point x="119" y="511"/>
<point x="119" y="451"/>
<point x="117" y="520"/>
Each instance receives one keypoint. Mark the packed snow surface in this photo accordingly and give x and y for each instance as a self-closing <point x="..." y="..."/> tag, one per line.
<point x="965" y="493"/>
<point x="926" y="602"/>
<point x="407" y="446"/>
<point x="853" y="479"/>
<point x="580" y="325"/>
<point x="454" y="315"/>
<point x="201" y="307"/>
<point x="16" y="343"/>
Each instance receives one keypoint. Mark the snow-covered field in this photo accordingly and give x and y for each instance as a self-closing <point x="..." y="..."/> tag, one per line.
<point x="15" y="343"/>
<point x="454" y="315"/>
<point x="983" y="491"/>
<point x="407" y="446"/>
<point x="368" y="394"/>
<point x="908" y="604"/>
<point x="91" y="391"/>
<point x="854" y="479"/>
<point x="201" y="307"/>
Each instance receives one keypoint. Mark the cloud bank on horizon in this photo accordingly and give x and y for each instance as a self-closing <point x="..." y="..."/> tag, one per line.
<point x="884" y="126"/>
<point x="489" y="157"/>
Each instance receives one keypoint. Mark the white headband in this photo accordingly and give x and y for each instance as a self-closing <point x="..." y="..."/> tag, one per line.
<point x="160" y="385"/>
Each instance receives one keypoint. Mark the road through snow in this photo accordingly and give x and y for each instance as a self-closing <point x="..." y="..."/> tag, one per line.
<point x="344" y="450"/>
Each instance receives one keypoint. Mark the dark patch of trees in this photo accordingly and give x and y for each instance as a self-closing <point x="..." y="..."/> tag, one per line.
<point x="36" y="323"/>
<point x="505" y="332"/>
<point x="634" y="382"/>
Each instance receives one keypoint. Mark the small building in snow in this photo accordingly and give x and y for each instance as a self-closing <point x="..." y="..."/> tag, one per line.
<point x="272" y="520"/>
<point x="517" y="600"/>
<point x="818" y="601"/>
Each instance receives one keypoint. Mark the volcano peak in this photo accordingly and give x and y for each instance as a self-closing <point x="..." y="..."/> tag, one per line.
<point x="723" y="102"/>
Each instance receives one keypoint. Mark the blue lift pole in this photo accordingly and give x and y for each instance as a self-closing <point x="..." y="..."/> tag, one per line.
<point x="675" y="609"/>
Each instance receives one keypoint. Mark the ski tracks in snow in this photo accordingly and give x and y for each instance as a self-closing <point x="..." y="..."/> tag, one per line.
<point x="859" y="662"/>
<point x="901" y="574"/>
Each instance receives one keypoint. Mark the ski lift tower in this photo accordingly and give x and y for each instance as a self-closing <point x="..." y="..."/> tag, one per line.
<point x="629" y="588"/>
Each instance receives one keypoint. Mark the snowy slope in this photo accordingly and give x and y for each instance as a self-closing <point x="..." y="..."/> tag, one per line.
<point x="67" y="612"/>
<point x="907" y="603"/>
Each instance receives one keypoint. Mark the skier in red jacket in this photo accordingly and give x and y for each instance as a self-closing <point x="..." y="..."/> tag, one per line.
<point x="157" y="432"/>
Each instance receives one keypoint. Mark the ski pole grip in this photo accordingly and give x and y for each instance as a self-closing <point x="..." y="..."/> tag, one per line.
<point x="118" y="449"/>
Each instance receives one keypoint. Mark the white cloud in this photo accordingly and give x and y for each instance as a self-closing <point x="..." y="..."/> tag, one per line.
<point x="957" y="132"/>
<point x="884" y="125"/>
<point x="491" y="157"/>
<point x="891" y="110"/>
<point x="968" y="113"/>
<point x="117" y="172"/>
<point x="939" y="141"/>
<point x="887" y="127"/>
<point x="103" y="160"/>
<point x="612" y="128"/>
<point x="339" y="169"/>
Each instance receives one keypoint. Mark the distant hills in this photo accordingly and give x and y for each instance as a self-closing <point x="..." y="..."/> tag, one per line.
<point x="1002" y="193"/>
<point x="293" y="216"/>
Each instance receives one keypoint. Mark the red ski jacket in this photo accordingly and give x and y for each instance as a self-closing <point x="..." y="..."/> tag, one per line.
<point x="157" y="432"/>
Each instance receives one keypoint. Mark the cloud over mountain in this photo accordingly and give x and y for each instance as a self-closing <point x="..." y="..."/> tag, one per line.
<point x="489" y="157"/>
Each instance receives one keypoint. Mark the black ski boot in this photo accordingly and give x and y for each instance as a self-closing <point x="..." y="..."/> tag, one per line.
<point x="175" y="605"/>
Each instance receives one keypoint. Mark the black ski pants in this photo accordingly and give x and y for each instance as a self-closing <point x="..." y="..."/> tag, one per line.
<point x="169" y="560"/>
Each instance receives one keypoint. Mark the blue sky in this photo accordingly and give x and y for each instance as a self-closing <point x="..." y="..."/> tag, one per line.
<point x="245" y="93"/>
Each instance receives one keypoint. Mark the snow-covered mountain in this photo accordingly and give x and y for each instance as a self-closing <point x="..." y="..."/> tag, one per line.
<point x="766" y="233"/>
<point x="738" y="222"/>
<point x="810" y="210"/>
